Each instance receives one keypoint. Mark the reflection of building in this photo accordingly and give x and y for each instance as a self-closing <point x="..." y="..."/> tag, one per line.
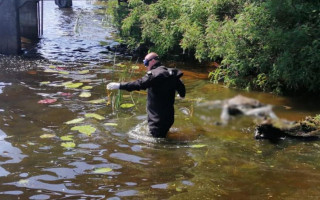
<point x="21" y="18"/>
<point x="63" y="3"/>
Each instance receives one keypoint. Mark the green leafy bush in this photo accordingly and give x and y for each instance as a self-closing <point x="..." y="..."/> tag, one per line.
<point x="267" y="45"/>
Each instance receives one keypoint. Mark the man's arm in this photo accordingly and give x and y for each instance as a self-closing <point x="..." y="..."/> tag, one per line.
<point x="140" y="84"/>
<point x="181" y="89"/>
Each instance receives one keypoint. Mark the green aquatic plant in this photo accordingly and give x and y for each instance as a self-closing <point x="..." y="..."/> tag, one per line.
<point x="94" y="115"/>
<point x="75" y="121"/>
<point x="102" y="170"/>
<point x="68" y="145"/>
<point x="86" y="129"/>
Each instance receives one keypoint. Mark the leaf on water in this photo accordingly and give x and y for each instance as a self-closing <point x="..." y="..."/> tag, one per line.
<point x="135" y="67"/>
<point x="64" y="72"/>
<point x="44" y="82"/>
<point x="68" y="145"/>
<point x="23" y="181"/>
<point x="126" y="96"/>
<point x="47" y="136"/>
<point x="66" y="83"/>
<point x="97" y="101"/>
<point x="47" y="101"/>
<point x="74" y="85"/>
<point x="111" y="124"/>
<point x="67" y="138"/>
<point x="198" y="145"/>
<point x="65" y="94"/>
<point x="120" y="65"/>
<point x="50" y="71"/>
<point x="102" y="170"/>
<point x="259" y="152"/>
<point x="84" y="72"/>
<point x="126" y="105"/>
<point x="85" y="94"/>
<point x="52" y="67"/>
<point x="93" y="115"/>
<point x="86" y="81"/>
<point x="87" y="87"/>
<point x="32" y="72"/>
<point x="87" y="129"/>
<point x="178" y="189"/>
<point x="75" y="121"/>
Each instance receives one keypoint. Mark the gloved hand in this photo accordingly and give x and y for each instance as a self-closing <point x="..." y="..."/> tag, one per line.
<point x="180" y="96"/>
<point x="113" y="86"/>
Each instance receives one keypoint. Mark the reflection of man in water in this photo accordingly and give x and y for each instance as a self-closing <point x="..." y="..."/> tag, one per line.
<point x="162" y="83"/>
<point x="63" y="3"/>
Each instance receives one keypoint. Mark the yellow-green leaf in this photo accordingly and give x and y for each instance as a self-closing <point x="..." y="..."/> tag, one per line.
<point x="111" y="124"/>
<point x="93" y="115"/>
<point x="68" y="145"/>
<point x="64" y="72"/>
<point x="198" y="145"/>
<point x="102" y="170"/>
<point x="87" y="87"/>
<point x="44" y="82"/>
<point x="85" y="94"/>
<point x="50" y="71"/>
<point x="47" y="135"/>
<point x="84" y="72"/>
<point x="75" y="121"/>
<point x="74" y="85"/>
<point x="67" y="138"/>
<point x="135" y="67"/>
<point x="97" y="101"/>
<point x="87" y="129"/>
<point x="126" y="105"/>
<point x="52" y="67"/>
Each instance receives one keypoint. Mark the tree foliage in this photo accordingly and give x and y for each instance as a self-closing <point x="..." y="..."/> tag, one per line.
<point x="263" y="44"/>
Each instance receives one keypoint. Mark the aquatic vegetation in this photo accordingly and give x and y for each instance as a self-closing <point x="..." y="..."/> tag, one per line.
<point x="84" y="72"/>
<point x="47" y="101"/>
<point x="198" y="145"/>
<point x="47" y="135"/>
<point x="68" y="145"/>
<point x="110" y="124"/>
<point x="93" y="115"/>
<point x="67" y="138"/>
<point x="44" y="82"/>
<point x="97" y="101"/>
<point x="73" y="85"/>
<point x="75" y="121"/>
<point x="85" y="94"/>
<point x="127" y="105"/>
<point x="86" y="129"/>
<point x="102" y="170"/>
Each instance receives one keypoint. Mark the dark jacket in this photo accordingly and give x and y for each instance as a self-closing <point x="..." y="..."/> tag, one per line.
<point x="162" y="83"/>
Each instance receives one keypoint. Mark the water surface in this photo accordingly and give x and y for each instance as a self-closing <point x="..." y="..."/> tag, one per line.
<point x="207" y="161"/>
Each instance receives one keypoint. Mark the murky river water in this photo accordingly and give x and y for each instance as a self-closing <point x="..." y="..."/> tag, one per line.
<point x="206" y="162"/>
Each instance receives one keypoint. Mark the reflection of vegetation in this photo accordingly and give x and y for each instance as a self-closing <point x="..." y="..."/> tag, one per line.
<point x="266" y="45"/>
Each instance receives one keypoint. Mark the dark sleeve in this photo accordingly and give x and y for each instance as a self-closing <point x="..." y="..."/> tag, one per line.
<point x="140" y="84"/>
<point x="181" y="88"/>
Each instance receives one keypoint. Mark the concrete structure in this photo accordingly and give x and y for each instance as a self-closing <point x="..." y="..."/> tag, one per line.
<point x="21" y="18"/>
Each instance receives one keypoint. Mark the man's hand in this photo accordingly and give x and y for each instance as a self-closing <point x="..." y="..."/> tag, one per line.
<point x="180" y="97"/>
<point x="113" y="86"/>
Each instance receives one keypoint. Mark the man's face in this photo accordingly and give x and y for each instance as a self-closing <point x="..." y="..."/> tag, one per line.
<point x="149" y="62"/>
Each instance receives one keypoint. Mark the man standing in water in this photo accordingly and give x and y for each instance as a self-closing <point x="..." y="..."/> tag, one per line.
<point x="162" y="83"/>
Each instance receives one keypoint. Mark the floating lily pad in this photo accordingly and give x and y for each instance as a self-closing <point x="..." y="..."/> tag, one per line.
<point x="75" y="121"/>
<point x="67" y="138"/>
<point x="111" y="124"/>
<point x="50" y="71"/>
<point x="44" y="82"/>
<point x="64" y="72"/>
<point x="84" y="72"/>
<point x="73" y="85"/>
<point x="102" y="170"/>
<point x="86" y="81"/>
<point x="198" y="145"/>
<point x="23" y="181"/>
<point x="85" y="94"/>
<point x="68" y="145"/>
<point x="126" y="105"/>
<point x="66" y="83"/>
<point x="97" y="101"/>
<point x="87" y="129"/>
<point x="93" y="115"/>
<point x="47" y="101"/>
<point x="135" y="67"/>
<point x="47" y="135"/>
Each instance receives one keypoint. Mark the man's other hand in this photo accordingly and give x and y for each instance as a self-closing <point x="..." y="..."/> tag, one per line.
<point x="113" y="86"/>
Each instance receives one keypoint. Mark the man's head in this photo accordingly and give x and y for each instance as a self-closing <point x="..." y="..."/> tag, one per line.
<point x="150" y="60"/>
